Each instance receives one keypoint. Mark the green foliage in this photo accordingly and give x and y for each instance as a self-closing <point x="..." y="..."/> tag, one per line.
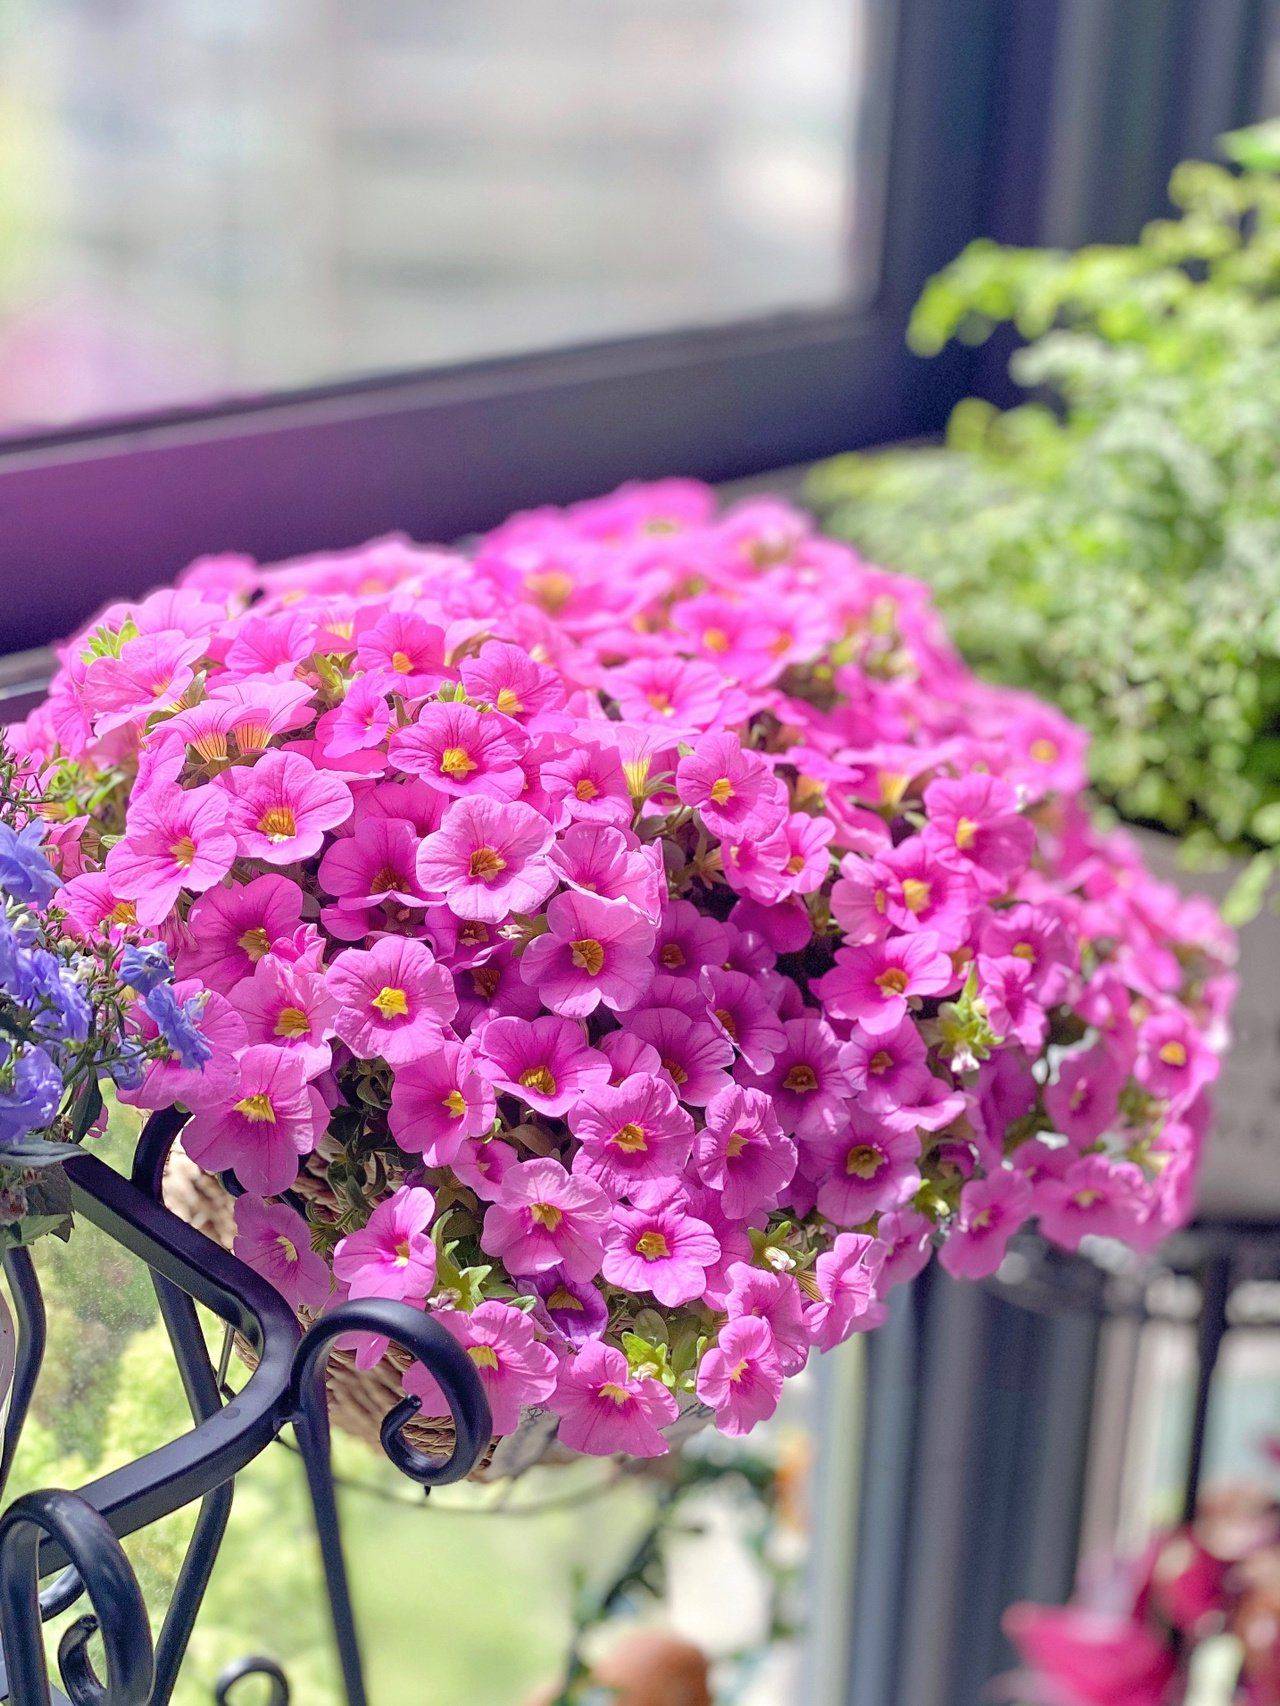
<point x="1114" y="543"/>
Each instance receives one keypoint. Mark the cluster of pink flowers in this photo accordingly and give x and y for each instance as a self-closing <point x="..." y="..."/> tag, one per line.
<point x="659" y="938"/>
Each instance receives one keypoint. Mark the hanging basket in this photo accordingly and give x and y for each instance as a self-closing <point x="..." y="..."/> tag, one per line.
<point x="361" y="1398"/>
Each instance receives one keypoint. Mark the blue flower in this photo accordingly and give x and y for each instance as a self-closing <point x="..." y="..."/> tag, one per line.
<point x="34" y="1098"/>
<point x="146" y="967"/>
<point x="177" y="1021"/>
<point x="25" y="871"/>
<point x="129" y="1066"/>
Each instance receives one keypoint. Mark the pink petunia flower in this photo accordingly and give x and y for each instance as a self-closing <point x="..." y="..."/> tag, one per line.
<point x="405" y="651"/>
<point x="593" y="952"/>
<point x="167" y="1080"/>
<point x="809" y="1088"/>
<point x="1084" y="1100"/>
<point x="907" y="1236"/>
<point x="1006" y="986"/>
<point x="742" y="1152"/>
<point x="776" y="1299"/>
<point x="281" y="806"/>
<point x="261" y="1125"/>
<point x="600" y="859"/>
<point x="360" y="721"/>
<point x="740" y="1376"/>
<point x="290" y="1007"/>
<point x="438" y="1100"/>
<point x="873" y="983"/>
<point x="734" y="791"/>
<point x="866" y="1167"/>
<point x="604" y="1408"/>
<point x="631" y="1133"/>
<point x="1174" y="1061"/>
<point x="275" y="1241"/>
<point x="664" y="1250"/>
<point x="547" y="1063"/>
<point x="234" y="928"/>
<point x="377" y="866"/>
<point x="920" y="892"/>
<point x="543" y="1217"/>
<point x="991" y="1211"/>
<point x="506" y="677"/>
<point x="847" y="1276"/>
<point x="975" y="826"/>
<point x="740" y="1005"/>
<point x="694" y="1053"/>
<point x="393" y="1000"/>
<point x="575" y="1309"/>
<point x="392" y="1255"/>
<point x="514" y="1369"/>
<point x="488" y="860"/>
<point x="1095" y="1195"/>
<point x="173" y="841"/>
<point x="688" y="940"/>
<point x="587" y="785"/>
<point x="151" y="673"/>
<point x="460" y="750"/>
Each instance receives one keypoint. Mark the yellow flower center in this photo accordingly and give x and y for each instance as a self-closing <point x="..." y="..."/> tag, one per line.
<point x="795" y="864"/>
<point x="614" y="1393"/>
<point x="915" y="894"/>
<point x="880" y="1061"/>
<point x="1023" y="951"/>
<point x="456" y="761"/>
<point x="256" y="943"/>
<point x="801" y="1079"/>
<point x="630" y="1138"/>
<point x="722" y="790"/>
<point x="587" y="955"/>
<point x="1086" y="1199"/>
<point x="484" y="1356"/>
<point x="737" y="1143"/>
<point x="508" y="701"/>
<point x="552" y="589"/>
<point x="278" y="823"/>
<point x="546" y="1214"/>
<point x="257" y="1108"/>
<point x="391" y="1003"/>
<point x="1044" y="751"/>
<point x="288" y="1246"/>
<point x="652" y="1246"/>
<point x="485" y="863"/>
<point x="586" y="790"/>
<point x="402" y="663"/>
<point x="183" y="852"/>
<point x="1173" y="1053"/>
<point x="715" y="639"/>
<point x="966" y="833"/>
<point x="863" y="1161"/>
<point x="541" y="1079"/>
<point x="736" y="1373"/>
<point x="893" y="981"/>
<point x="124" y="912"/>
<point x="292" y="1022"/>
<point x="675" y="1072"/>
<point x="562" y="1298"/>
<point x="455" y="1104"/>
<point x="660" y="702"/>
<point x="727" y="1019"/>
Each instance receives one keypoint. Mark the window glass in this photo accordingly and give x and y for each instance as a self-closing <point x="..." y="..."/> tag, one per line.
<point x="207" y="200"/>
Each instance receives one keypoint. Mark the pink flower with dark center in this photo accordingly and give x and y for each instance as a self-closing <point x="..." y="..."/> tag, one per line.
<point x="991" y="1211"/>
<point x="547" y="1063"/>
<point x="393" y="1000"/>
<point x="1095" y="1195"/>
<point x="740" y="1376"/>
<point x="494" y="989"/>
<point x="392" y="1255"/>
<point x="289" y="1007"/>
<point x="742" y="1152"/>
<point x="281" y="806"/>
<point x="173" y="841"/>
<point x="359" y="722"/>
<point x="506" y="677"/>
<point x="847" y="1277"/>
<point x="275" y="1241"/>
<point x="234" y="928"/>
<point x="743" y="1012"/>
<point x="405" y="651"/>
<point x="776" y="1299"/>
<point x="631" y="1133"/>
<point x="593" y="951"/>
<point x="600" y="859"/>
<point x="604" y="1408"/>
<point x="543" y="1217"/>
<point x="438" y="1100"/>
<point x="514" y="1369"/>
<point x="688" y="941"/>
<point x="809" y="1088"/>
<point x="1084" y="1100"/>
<point x="872" y="984"/>
<point x="975" y="826"/>
<point x="734" y="791"/>
<point x="462" y="751"/>
<point x="888" y="1068"/>
<point x="488" y="860"/>
<point x="865" y="1168"/>
<point x="375" y="866"/>
<point x="261" y="1125"/>
<point x="663" y="1250"/>
<point x="695" y="1054"/>
<point x="587" y="785"/>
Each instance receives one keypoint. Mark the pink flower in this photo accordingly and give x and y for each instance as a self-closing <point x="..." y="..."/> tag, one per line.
<point x="631" y="1133"/>
<point x="1006" y="987"/>
<point x="261" y="1125"/>
<point x="806" y="1082"/>
<point x="289" y="1007"/>
<point x="392" y="1255"/>
<point x="488" y="860"/>
<point x="460" y="750"/>
<point x="991" y="1211"/>
<point x="742" y="1153"/>
<point x="593" y="951"/>
<point x="740" y="1376"/>
<point x="872" y="984"/>
<point x="276" y="1243"/>
<point x="777" y="1300"/>
<point x="360" y="721"/>
<point x="600" y="859"/>
<point x="1095" y="1195"/>
<point x="741" y="1007"/>
<point x="975" y="826"/>
<point x="151" y="673"/>
<point x="233" y="929"/>
<point x="604" y="1408"/>
<point x="1093" y="1658"/>
<point x="587" y="784"/>
<point x="694" y="1053"/>
<point x="438" y="1100"/>
<point x="547" y="1063"/>
<point x="865" y="1168"/>
<point x="173" y="841"/>
<point x="281" y="806"/>
<point x="543" y="1217"/>
<point x="1084" y="1100"/>
<point x="907" y="1236"/>
<point x="663" y="1250"/>
<point x="688" y="941"/>
<point x="393" y="1000"/>
<point x="734" y="791"/>
<point x="506" y="677"/>
<point x="405" y="650"/>
<point x="514" y="1369"/>
<point x="375" y="866"/>
<point x="1174" y="1062"/>
<point x="847" y="1277"/>
<point x="922" y="893"/>
<point x="167" y="1081"/>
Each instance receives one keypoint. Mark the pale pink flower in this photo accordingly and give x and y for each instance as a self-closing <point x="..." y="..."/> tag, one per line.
<point x="600" y="859"/>
<point x="290" y="1007"/>
<point x="593" y="952"/>
<point x="776" y="1299"/>
<point x="543" y="1217"/>
<point x="281" y="806"/>
<point x="604" y="1408"/>
<point x="488" y="860"/>
<point x="742" y="1152"/>
<point x="460" y="750"/>
<point x="976" y="827"/>
<point x="695" y="1054"/>
<point x="587" y="784"/>
<point x="633" y="1132"/>
<point x="173" y="841"/>
<point x="734" y="791"/>
<point x="393" y="1000"/>
<point x="547" y="1063"/>
<point x="406" y="650"/>
<point x="392" y="1255"/>
<point x="872" y="984"/>
<point x="261" y="1125"/>
<point x="991" y="1211"/>
<point x="275" y="1241"/>
<point x="234" y="928"/>
<point x="847" y="1277"/>
<point x="438" y="1100"/>
<point x="740" y="1376"/>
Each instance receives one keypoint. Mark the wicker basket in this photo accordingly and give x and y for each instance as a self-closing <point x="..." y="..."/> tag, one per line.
<point x="360" y="1398"/>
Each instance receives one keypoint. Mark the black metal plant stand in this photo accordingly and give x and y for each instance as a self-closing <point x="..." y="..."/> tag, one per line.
<point x="74" y="1538"/>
